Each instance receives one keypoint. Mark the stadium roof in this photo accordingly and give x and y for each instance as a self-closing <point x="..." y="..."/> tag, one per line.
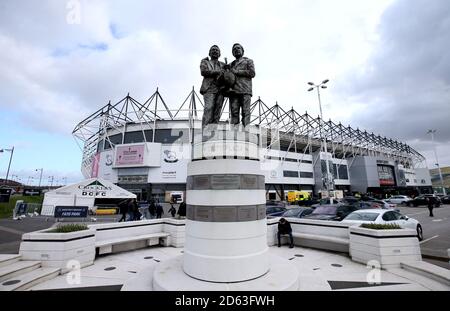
<point x="343" y="140"/>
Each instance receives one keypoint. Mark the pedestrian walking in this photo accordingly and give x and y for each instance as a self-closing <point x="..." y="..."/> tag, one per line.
<point x="152" y="209"/>
<point x="159" y="210"/>
<point x="136" y="214"/>
<point x="182" y="210"/>
<point x="123" y="209"/>
<point x="172" y="209"/>
<point x="130" y="209"/>
<point x="430" y="204"/>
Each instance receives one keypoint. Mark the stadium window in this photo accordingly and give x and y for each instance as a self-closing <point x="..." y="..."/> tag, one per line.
<point x="290" y="174"/>
<point x="134" y="137"/>
<point x="342" y="171"/>
<point x="114" y="139"/>
<point x="306" y="175"/>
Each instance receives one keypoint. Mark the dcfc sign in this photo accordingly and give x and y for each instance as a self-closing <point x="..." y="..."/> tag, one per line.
<point x="71" y="211"/>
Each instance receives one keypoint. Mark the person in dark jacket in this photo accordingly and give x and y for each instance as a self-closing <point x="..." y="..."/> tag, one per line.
<point x="159" y="210"/>
<point x="123" y="209"/>
<point x="152" y="209"/>
<point x="182" y="210"/>
<point x="284" y="228"/>
<point x="430" y="203"/>
<point x="172" y="209"/>
<point x="136" y="214"/>
<point x="131" y="212"/>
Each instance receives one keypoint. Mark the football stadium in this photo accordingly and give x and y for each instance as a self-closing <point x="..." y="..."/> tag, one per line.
<point x="145" y="147"/>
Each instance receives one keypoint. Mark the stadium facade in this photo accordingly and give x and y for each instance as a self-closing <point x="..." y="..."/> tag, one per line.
<point x="145" y="148"/>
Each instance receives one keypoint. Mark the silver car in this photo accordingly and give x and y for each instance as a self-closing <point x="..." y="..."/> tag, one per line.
<point x="384" y="216"/>
<point x="399" y="199"/>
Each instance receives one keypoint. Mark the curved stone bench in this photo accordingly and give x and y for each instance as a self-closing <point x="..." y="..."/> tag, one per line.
<point x="320" y="234"/>
<point x="125" y="243"/>
<point x="119" y="237"/>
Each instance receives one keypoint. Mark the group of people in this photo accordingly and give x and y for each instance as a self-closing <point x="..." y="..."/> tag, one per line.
<point x="130" y="211"/>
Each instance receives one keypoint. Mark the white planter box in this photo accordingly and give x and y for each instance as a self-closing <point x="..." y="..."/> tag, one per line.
<point x="388" y="247"/>
<point x="58" y="249"/>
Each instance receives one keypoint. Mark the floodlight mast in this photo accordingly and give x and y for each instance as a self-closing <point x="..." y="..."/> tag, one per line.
<point x="437" y="160"/>
<point x="328" y="183"/>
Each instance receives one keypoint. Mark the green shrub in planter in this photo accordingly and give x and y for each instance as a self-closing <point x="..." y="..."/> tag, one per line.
<point x="380" y="226"/>
<point x="69" y="228"/>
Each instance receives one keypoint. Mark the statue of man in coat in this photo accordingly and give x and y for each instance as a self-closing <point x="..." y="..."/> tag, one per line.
<point x="212" y="69"/>
<point x="240" y="97"/>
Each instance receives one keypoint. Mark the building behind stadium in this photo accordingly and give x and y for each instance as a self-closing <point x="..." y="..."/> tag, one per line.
<point x="145" y="147"/>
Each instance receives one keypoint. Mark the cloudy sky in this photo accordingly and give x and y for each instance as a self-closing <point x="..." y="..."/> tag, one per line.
<point x="388" y="62"/>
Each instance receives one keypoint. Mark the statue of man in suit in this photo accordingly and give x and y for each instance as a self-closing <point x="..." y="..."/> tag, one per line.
<point x="212" y="69"/>
<point x="240" y="98"/>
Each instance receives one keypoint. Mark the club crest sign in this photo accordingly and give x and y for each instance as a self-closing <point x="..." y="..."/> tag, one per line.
<point x="94" y="189"/>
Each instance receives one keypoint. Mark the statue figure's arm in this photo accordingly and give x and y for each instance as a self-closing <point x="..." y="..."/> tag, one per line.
<point x="206" y="72"/>
<point x="249" y="72"/>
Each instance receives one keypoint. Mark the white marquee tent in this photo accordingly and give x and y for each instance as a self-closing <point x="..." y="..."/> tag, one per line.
<point x="83" y="193"/>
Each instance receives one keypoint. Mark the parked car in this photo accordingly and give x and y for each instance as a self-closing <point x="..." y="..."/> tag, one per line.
<point x="446" y="199"/>
<point x="384" y="204"/>
<point x="297" y="212"/>
<point x="331" y="212"/>
<point x="399" y="199"/>
<point x="422" y="200"/>
<point x="368" y="198"/>
<point x="12" y="190"/>
<point x="350" y="200"/>
<point x="383" y="216"/>
<point x="325" y="202"/>
<point x="274" y="208"/>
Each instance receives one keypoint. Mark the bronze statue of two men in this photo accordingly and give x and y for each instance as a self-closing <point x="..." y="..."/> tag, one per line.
<point x="221" y="80"/>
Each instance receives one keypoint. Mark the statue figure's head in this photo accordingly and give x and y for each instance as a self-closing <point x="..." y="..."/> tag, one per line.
<point x="214" y="52"/>
<point x="237" y="50"/>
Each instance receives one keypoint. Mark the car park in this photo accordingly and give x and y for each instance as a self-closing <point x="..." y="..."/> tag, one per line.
<point x="399" y="199"/>
<point x="384" y="204"/>
<point x="423" y="200"/>
<point x="297" y="212"/>
<point x="274" y="208"/>
<point x="445" y="199"/>
<point x="332" y="212"/>
<point x="325" y="202"/>
<point x="383" y="216"/>
<point x="12" y="191"/>
<point x="350" y="199"/>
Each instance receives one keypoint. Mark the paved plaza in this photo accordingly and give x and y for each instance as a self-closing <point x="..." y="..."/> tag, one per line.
<point x="319" y="271"/>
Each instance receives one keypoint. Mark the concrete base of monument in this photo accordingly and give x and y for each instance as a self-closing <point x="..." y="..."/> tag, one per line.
<point x="169" y="276"/>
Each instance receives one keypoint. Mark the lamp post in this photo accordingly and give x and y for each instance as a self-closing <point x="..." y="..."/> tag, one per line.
<point x="437" y="161"/>
<point x="10" y="159"/>
<point x="40" y="176"/>
<point x="328" y="182"/>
